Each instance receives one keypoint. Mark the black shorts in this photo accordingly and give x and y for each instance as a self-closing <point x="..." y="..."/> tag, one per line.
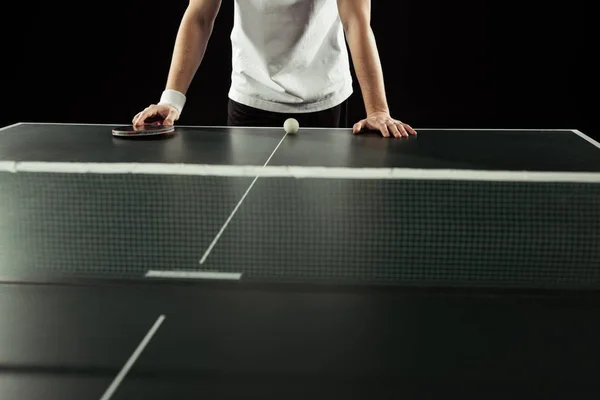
<point x="243" y="115"/>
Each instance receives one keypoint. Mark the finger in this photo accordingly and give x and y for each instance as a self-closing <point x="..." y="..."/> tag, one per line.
<point x="144" y="115"/>
<point x="139" y="119"/>
<point x="394" y="129"/>
<point x="150" y="113"/>
<point x="135" y="117"/>
<point x="409" y="129"/>
<point x="383" y="129"/>
<point x="402" y="130"/>
<point x="170" y="119"/>
<point x="357" y="127"/>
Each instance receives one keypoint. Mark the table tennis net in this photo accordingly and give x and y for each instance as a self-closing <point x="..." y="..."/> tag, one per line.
<point x="302" y="224"/>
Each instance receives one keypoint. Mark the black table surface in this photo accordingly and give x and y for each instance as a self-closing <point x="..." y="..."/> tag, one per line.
<point x="327" y="332"/>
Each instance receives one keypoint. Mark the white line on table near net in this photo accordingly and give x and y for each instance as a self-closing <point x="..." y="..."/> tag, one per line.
<point x="110" y="391"/>
<point x="207" y="275"/>
<point x="297" y="172"/>
<point x="216" y="239"/>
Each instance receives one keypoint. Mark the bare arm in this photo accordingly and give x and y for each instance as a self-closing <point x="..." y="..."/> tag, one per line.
<point x="356" y="18"/>
<point x="191" y="42"/>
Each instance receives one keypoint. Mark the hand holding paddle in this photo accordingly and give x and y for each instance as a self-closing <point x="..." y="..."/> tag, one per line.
<point x="157" y="114"/>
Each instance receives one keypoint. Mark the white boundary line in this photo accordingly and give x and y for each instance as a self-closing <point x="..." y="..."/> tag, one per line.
<point x="119" y="378"/>
<point x="209" y="275"/>
<point x="7" y="127"/>
<point x="586" y="137"/>
<point x="497" y="129"/>
<point x="72" y="124"/>
<point x="176" y="126"/>
<point x="312" y="128"/>
<point x="297" y="172"/>
<point x="532" y="130"/>
<point x="216" y="239"/>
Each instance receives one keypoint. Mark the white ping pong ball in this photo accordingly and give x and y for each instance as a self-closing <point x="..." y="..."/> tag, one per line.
<point x="291" y="126"/>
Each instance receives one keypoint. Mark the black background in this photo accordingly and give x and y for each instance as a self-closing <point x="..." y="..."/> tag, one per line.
<point x="446" y="63"/>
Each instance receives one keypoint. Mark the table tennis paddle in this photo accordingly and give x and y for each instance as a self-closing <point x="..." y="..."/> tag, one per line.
<point x="131" y="131"/>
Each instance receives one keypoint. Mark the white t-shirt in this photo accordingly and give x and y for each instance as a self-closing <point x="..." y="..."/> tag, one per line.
<point x="289" y="55"/>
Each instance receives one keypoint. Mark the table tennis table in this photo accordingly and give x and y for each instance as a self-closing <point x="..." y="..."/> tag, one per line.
<point x="229" y="262"/>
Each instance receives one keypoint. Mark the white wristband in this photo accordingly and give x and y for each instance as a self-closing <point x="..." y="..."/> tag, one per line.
<point x="174" y="98"/>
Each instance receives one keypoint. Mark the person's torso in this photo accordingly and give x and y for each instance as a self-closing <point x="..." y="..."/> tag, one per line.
<point x="289" y="55"/>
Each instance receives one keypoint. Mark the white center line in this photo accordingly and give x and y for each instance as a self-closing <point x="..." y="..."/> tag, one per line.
<point x="216" y="239"/>
<point x="119" y="378"/>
